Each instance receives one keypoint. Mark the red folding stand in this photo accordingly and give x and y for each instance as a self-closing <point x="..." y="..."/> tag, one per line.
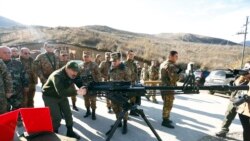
<point x="35" y="120"/>
<point x="8" y="123"/>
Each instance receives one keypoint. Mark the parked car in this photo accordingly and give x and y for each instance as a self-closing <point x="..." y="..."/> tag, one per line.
<point x="200" y="76"/>
<point x="220" y="77"/>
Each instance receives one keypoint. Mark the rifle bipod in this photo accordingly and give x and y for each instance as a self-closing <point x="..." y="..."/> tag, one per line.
<point x="111" y="132"/>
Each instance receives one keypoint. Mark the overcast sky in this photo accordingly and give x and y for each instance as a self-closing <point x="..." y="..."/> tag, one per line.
<point x="216" y="18"/>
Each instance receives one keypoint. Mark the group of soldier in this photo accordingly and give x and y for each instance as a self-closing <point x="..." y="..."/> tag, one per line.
<point x="17" y="80"/>
<point x="59" y="78"/>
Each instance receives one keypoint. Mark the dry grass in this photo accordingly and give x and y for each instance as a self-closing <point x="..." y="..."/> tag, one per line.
<point x="146" y="46"/>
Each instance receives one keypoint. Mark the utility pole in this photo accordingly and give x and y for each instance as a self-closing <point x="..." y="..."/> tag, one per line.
<point x="244" y="42"/>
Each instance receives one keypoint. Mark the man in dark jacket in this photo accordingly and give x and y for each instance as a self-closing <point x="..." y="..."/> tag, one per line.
<point x="55" y="92"/>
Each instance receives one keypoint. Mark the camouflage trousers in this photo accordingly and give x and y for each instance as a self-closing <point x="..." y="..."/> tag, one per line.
<point x="108" y="103"/>
<point x="28" y="98"/>
<point x="73" y="99"/>
<point x="90" y="101"/>
<point x="117" y="110"/>
<point x="152" y="92"/>
<point x="3" y="104"/>
<point x="15" y="102"/>
<point x="168" y="100"/>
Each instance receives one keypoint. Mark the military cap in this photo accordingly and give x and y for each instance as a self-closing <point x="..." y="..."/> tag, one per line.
<point x="97" y="55"/>
<point x="107" y="53"/>
<point x="115" y="56"/>
<point x="73" y="65"/>
<point x="86" y="53"/>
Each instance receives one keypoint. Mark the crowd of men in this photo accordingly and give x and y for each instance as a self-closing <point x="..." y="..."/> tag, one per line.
<point x="62" y="78"/>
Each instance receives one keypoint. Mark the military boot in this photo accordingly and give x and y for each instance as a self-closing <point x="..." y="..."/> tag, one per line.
<point x="148" y="97"/>
<point x="74" y="107"/>
<point x="222" y="133"/>
<point x="124" y="128"/>
<point x="155" y="101"/>
<point x="88" y="113"/>
<point x="109" y="110"/>
<point x="71" y="133"/>
<point x="93" y="114"/>
<point x="167" y="123"/>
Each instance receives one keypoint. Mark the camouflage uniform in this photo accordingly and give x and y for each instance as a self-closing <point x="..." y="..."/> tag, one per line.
<point x="119" y="74"/>
<point x="45" y="64"/>
<point x="97" y="60"/>
<point x="244" y="116"/>
<point x="169" y="77"/>
<point x="29" y="68"/>
<point x="144" y="74"/>
<point x="153" y="75"/>
<point x="90" y="68"/>
<point x="6" y="86"/>
<point x="104" y="70"/>
<point x="20" y="80"/>
<point x="231" y="109"/>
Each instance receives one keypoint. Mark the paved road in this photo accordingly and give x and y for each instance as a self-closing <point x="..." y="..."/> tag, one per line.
<point x="194" y="116"/>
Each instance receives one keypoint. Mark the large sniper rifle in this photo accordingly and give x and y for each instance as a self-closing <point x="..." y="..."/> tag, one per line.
<point x="120" y="91"/>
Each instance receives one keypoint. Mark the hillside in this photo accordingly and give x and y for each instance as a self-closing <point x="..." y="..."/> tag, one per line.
<point x="204" y="52"/>
<point x="5" y="22"/>
<point x="187" y="37"/>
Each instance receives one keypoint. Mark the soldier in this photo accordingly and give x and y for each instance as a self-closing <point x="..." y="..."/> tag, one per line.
<point x="169" y="75"/>
<point x="104" y="70"/>
<point x="133" y="75"/>
<point x="19" y="79"/>
<point x="27" y="62"/>
<point x="6" y="87"/>
<point x="63" y="59"/>
<point x="244" y="112"/>
<point x="98" y="59"/>
<point x="231" y="109"/>
<point x="90" y="68"/>
<point x="46" y="63"/>
<point x="153" y="75"/>
<point x="55" y="92"/>
<point x="14" y="53"/>
<point x="119" y="72"/>
<point x="144" y="72"/>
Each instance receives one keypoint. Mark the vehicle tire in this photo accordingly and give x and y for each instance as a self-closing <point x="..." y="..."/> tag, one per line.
<point x="211" y="92"/>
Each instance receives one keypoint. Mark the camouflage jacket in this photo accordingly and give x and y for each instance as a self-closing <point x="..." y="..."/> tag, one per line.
<point x="30" y="70"/>
<point x="168" y="73"/>
<point x="244" y="108"/>
<point x="90" y="68"/>
<point x="98" y="62"/>
<point x="119" y="73"/>
<point x="6" y="85"/>
<point x="153" y="73"/>
<point x="132" y="70"/>
<point x="104" y="69"/>
<point x="45" y="64"/>
<point x="144" y="74"/>
<point x="20" y="78"/>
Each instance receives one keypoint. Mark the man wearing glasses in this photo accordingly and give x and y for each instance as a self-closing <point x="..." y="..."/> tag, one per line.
<point x="46" y="63"/>
<point x="27" y="62"/>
